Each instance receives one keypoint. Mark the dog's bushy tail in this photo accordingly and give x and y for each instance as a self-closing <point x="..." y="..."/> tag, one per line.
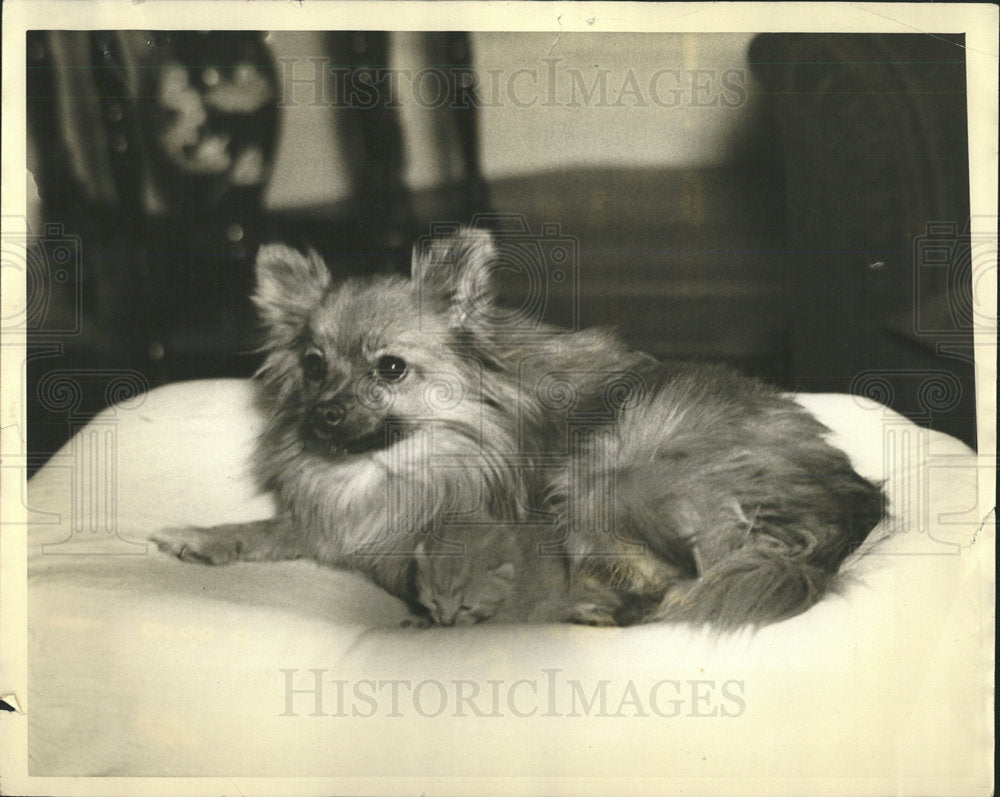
<point x="752" y="586"/>
<point x="783" y="568"/>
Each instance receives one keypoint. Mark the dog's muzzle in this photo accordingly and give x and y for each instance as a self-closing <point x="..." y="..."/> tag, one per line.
<point x="343" y="427"/>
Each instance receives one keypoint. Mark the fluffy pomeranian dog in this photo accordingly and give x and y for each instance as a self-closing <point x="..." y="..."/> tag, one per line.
<point x="395" y="406"/>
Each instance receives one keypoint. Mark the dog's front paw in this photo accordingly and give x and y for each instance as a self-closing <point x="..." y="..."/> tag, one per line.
<point x="416" y="622"/>
<point x="594" y="614"/>
<point x="212" y="546"/>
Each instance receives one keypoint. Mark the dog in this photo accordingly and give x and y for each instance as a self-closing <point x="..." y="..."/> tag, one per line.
<point x="395" y="406"/>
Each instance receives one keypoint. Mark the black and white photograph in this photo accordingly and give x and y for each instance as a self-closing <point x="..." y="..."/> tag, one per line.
<point x="491" y="398"/>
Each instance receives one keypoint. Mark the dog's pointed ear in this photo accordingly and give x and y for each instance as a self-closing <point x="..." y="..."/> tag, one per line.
<point x="289" y="285"/>
<point x="458" y="269"/>
<point x="422" y="558"/>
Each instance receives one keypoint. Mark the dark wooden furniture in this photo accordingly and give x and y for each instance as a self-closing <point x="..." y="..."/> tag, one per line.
<point x="873" y="148"/>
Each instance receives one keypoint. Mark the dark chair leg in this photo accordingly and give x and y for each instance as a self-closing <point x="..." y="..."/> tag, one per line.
<point x="373" y="139"/>
<point x="457" y="55"/>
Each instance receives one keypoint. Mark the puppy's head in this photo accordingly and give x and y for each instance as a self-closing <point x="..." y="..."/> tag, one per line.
<point x="354" y="366"/>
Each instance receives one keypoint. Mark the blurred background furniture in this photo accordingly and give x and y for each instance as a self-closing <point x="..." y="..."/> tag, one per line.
<point x="151" y="152"/>
<point x="874" y="153"/>
<point x="796" y="204"/>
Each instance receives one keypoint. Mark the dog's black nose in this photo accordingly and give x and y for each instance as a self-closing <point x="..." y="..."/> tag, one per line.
<point x="328" y="415"/>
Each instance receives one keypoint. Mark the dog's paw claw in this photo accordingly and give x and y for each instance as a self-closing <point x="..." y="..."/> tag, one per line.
<point x="198" y="546"/>
<point x="593" y="614"/>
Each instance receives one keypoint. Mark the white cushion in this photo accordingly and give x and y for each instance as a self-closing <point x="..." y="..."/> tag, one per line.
<point x="143" y="665"/>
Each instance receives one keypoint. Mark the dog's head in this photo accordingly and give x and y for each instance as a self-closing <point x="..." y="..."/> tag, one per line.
<point x="353" y="366"/>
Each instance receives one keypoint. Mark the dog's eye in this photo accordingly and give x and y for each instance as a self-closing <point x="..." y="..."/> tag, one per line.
<point x="390" y="368"/>
<point x="314" y="365"/>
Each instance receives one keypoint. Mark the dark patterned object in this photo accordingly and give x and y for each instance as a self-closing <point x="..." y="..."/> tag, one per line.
<point x="151" y="150"/>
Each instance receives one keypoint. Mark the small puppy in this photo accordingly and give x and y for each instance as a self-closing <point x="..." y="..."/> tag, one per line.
<point x="395" y="407"/>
